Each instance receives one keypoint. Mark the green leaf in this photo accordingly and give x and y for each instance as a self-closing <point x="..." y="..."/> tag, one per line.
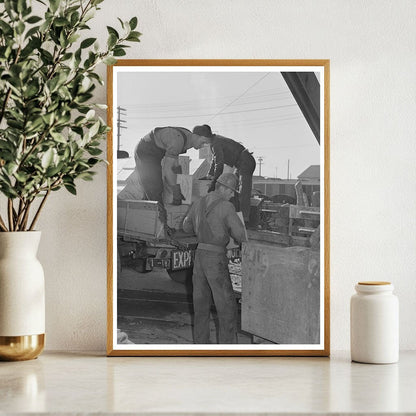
<point x="86" y="176"/>
<point x="92" y="161"/>
<point x="49" y="118"/>
<point x="111" y="30"/>
<point x="21" y="177"/>
<point x="58" y="137"/>
<point x="20" y="28"/>
<point x="10" y="7"/>
<point x="121" y="22"/>
<point x="21" y="6"/>
<point x="94" y="129"/>
<point x="8" y="190"/>
<point x="82" y="98"/>
<point x="47" y="158"/>
<point x="61" y="21"/>
<point x="31" y="90"/>
<point x="11" y="168"/>
<point x="134" y="36"/>
<point x="70" y="188"/>
<point x="133" y="23"/>
<point x="52" y="171"/>
<point x="33" y="19"/>
<point x="112" y="41"/>
<point x="110" y="60"/>
<point x="90" y="115"/>
<point x="31" y="32"/>
<point x="34" y="125"/>
<point x="74" y="18"/>
<point x="119" y="52"/>
<point x="6" y="29"/>
<point x="73" y="38"/>
<point x="94" y="151"/>
<point x="54" y="4"/>
<point x="87" y="42"/>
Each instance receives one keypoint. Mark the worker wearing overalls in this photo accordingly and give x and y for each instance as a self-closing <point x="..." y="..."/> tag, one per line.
<point x="168" y="143"/>
<point x="214" y="220"/>
<point x="234" y="154"/>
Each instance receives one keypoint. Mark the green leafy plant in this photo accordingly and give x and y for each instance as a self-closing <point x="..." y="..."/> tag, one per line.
<point x="50" y="133"/>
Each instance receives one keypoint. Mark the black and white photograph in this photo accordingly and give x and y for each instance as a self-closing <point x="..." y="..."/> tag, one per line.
<point x="219" y="204"/>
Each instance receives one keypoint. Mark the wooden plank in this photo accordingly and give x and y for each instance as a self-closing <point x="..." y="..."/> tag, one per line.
<point x="299" y="211"/>
<point x="268" y="237"/>
<point x="305" y="89"/>
<point x="280" y="296"/>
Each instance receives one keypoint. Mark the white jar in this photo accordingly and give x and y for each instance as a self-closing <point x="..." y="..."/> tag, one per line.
<point x="374" y="323"/>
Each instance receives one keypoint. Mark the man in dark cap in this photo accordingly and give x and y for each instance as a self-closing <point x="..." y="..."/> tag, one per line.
<point x="234" y="154"/>
<point x="214" y="220"/>
<point x="168" y="143"/>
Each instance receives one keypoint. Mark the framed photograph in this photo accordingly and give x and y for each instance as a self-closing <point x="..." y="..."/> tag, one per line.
<point x="218" y="208"/>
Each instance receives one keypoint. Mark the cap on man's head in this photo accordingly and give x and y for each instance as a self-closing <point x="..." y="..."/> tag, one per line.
<point x="229" y="180"/>
<point x="203" y="130"/>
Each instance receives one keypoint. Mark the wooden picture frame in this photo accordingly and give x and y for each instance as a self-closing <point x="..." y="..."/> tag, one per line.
<point x="284" y="297"/>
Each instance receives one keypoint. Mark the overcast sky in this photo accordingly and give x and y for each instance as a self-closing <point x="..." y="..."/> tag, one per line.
<point x="254" y="108"/>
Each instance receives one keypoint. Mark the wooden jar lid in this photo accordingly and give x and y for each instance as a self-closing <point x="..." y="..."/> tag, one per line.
<point x="374" y="283"/>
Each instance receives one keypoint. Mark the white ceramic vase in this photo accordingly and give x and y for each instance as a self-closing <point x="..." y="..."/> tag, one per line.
<point x="22" y="296"/>
<point x="374" y="323"/>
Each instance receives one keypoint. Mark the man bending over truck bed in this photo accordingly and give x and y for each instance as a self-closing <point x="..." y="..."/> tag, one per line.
<point x="168" y="143"/>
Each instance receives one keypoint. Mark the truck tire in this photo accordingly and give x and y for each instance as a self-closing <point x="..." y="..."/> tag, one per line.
<point x="181" y="276"/>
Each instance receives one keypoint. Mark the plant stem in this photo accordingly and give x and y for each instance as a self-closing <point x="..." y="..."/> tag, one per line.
<point x="2" y="225"/>
<point x="26" y="216"/>
<point x="39" y="209"/>
<point x="10" y="213"/>
<point x="17" y="217"/>
<point x="32" y="149"/>
<point x="21" y="213"/>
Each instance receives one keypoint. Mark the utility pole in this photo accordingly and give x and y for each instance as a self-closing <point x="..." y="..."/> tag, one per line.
<point x="288" y="168"/>
<point x="120" y="112"/>
<point x="260" y="160"/>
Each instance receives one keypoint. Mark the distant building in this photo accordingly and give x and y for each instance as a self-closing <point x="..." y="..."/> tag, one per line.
<point x="313" y="172"/>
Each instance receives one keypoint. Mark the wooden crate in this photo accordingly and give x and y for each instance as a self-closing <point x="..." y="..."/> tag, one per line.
<point x="138" y="219"/>
<point x="281" y="294"/>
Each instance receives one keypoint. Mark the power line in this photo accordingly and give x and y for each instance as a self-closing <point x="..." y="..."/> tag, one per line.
<point x="249" y="88"/>
<point x="214" y="115"/>
<point x="187" y="107"/>
<point x="258" y="122"/>
<point x="191" y="102"/>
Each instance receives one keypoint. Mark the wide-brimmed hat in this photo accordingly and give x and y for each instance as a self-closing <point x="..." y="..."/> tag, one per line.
<point x="229" y="180"/>
<point x="203" y="130"/>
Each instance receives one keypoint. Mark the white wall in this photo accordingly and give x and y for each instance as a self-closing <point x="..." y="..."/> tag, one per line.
<point x="371" y="45"/>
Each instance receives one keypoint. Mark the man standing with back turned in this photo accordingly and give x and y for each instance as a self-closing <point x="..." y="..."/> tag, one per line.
<point x="214" y="220"/>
